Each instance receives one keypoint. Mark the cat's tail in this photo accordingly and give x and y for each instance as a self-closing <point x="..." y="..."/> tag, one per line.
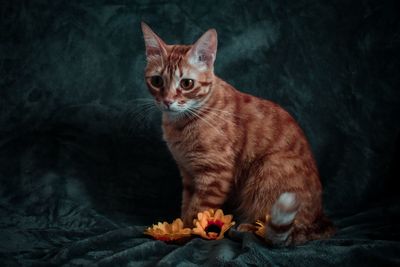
<point x="280" y="224"/>
<point x="281" y="229"/>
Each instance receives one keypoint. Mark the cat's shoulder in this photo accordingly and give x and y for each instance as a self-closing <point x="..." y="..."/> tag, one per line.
<point x="247" y="98"/>
<point x="249" y="103"/>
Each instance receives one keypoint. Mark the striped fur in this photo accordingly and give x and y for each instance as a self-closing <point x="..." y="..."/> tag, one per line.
<point x="234" y="149"/>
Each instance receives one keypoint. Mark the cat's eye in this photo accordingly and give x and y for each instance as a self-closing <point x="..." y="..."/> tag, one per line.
<point x="187" y="84"/>
<point x="157" y="81"/>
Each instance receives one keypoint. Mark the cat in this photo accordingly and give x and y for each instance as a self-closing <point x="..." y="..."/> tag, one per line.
<point x="233" y="149"/>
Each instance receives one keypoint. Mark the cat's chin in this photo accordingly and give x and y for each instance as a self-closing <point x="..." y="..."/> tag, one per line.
<point x="174" y="114"/>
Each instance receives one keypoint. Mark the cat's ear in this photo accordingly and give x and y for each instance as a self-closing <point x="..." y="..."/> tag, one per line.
<point x="155" y="47"/>
<point x="204" y="51"/>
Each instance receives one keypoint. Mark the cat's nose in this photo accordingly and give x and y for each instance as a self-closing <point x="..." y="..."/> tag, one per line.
<point x="168" y="102"/>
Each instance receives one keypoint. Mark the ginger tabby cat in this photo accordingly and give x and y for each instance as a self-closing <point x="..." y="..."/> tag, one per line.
<point x="233" y="149"/>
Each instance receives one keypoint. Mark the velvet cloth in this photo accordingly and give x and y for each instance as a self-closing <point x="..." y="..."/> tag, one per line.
<point x="83" y="168"/>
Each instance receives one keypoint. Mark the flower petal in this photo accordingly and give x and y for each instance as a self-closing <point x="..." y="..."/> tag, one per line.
<point x="219" y="215"/>
<point x="168" y="232"/>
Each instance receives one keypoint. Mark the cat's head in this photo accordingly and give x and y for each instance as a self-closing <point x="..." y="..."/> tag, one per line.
<point x="179" y="77"/>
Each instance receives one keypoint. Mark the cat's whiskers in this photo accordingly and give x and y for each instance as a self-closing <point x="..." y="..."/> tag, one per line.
<point x="209" y="121"/>
<point x="142" y="109"/>
<point x="194" y="113"/>
<point x="224" y="116"/>
<point x="222" y="111"/>
<point x="216" y="114"/>
<point x="142" y="100"/>
<point x="216" y="117"/>
<point x="135" y="117"/>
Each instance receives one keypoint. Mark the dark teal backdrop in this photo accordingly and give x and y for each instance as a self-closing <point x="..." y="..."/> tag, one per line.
<point x="80" y="158"/>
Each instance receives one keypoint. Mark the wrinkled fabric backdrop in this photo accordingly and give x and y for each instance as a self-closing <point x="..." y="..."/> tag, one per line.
<point x="83" y="167"/>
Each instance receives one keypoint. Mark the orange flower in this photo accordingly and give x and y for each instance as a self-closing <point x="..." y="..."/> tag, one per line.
<point x="168" y="232"/>
<point x="261" y="227"/>
<point x="212" y="224"/>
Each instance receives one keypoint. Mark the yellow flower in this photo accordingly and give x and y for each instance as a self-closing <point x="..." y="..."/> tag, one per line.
<point x="261" y="227"/>
<point x="212" y="224"/>
<point x="168" y="232"/>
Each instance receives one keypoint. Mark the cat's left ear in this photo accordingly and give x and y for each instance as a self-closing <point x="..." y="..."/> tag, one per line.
<point x="204" y="51"/>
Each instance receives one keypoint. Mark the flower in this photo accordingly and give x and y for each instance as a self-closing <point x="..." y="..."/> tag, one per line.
<point x="212" y="224"/>
<point x="260" y="225"/>
<point x="168" y="232"/>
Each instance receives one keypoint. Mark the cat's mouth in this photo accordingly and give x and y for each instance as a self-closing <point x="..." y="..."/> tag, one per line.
<point x="176" y="108"/>
<point x="173" y="110"/>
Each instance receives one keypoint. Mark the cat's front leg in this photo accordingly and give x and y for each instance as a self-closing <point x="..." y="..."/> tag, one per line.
<point x="209" y="193"/>
<point x="187" y="193"/>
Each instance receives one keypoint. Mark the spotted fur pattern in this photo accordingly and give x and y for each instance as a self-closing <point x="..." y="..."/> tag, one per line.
<point x="233" y="149"/>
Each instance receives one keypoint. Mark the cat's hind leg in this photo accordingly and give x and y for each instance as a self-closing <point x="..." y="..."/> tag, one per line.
<point x="279" y="223"/>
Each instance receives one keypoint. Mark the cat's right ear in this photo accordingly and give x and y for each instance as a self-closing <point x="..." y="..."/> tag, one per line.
<point x="204" y="51"/>
<point x="155" y="47"/>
